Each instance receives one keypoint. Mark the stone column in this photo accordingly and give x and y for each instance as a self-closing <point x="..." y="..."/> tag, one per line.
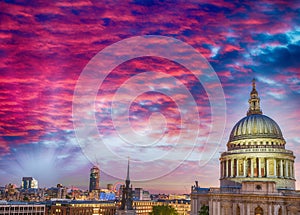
<point x="252" y="167"/>
<point x="281" y="168"/>
<point x="286" y="169"/>
<point x="259" y="167"/>
<point x="245" y="167"/>
<point x="227" y="168"/>
<point x="224" y="168"/>
<point x="237" y="168"/>
<point x="243" y="210"/>
<point x="291" y="169"/>
<point x="267" y="169"/>
<point x="210" y="206"/>
<point x="214" y="207"/>
<point x="194" y="207"/>
<point x="221" y="170"/>
<point x="248" y="208"/>
<point x="232" y="167"/>
<point x="275" y="165"/>
<point x="270" y="210"/>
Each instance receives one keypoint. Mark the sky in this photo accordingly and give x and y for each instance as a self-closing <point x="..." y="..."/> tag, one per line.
<point x="162" y="82"/>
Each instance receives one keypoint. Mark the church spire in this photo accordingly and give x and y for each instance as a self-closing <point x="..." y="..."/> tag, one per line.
<point x="254" y="101"/>
<point x="127" y="178"/>
<point x="127" y="194"/>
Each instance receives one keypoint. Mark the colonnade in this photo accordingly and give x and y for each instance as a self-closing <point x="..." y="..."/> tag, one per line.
<point x="257" y="167"/>
<point x="217" y="207"/>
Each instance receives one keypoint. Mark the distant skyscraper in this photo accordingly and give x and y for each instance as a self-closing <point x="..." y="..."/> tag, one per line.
<point x="94" y="179"/>
<point x="29" y="182"/>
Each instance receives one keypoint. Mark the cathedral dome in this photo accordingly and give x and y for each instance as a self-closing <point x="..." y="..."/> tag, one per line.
<point x="255" y="126"/>
<point x="256" y="151"/>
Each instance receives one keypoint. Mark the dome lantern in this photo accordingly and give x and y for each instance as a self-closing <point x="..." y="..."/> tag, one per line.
<point x="254" y="101"/>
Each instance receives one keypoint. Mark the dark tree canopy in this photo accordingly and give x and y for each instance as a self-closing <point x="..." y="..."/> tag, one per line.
<point x="163" y="210"/>
<point x="204" y="210"/>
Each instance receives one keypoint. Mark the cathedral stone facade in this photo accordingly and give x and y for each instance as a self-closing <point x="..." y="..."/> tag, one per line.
<point x="256" y="172"/>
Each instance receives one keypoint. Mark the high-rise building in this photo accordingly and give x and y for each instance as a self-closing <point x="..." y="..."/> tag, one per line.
<point x="94" y="179"/>
<point x="29" y="182"/>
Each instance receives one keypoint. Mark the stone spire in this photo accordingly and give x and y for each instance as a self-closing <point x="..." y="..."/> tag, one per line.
<point x="127" y="195"/>
<point x="127" y="178"/>
<point x="254" y="101"/>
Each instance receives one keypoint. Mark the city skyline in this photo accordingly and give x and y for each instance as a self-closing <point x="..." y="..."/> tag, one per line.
<point x="46" y="46"/>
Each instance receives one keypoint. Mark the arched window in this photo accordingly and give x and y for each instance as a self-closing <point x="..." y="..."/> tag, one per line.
<point x="280" y="211"/>
<point x="238" y="210"/>
<point x="258" y="211"/>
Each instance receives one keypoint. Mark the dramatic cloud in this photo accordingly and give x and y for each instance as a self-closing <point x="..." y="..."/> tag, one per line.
<point x="45" y="47"/>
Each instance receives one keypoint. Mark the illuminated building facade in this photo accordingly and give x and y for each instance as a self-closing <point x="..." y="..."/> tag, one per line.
<point x="58" y="192"/>
<point x="256" y="171"/>
<point x="183" y="207"/>
<point x="81" y="207"/>
<point x="110" y="207"/>
<point x="144" y="207"/>
<point x="7" y="208"/>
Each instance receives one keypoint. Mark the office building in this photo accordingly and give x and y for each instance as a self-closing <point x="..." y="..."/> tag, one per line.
<point x="94" y="179"/>
<point x="29" y="182"/>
